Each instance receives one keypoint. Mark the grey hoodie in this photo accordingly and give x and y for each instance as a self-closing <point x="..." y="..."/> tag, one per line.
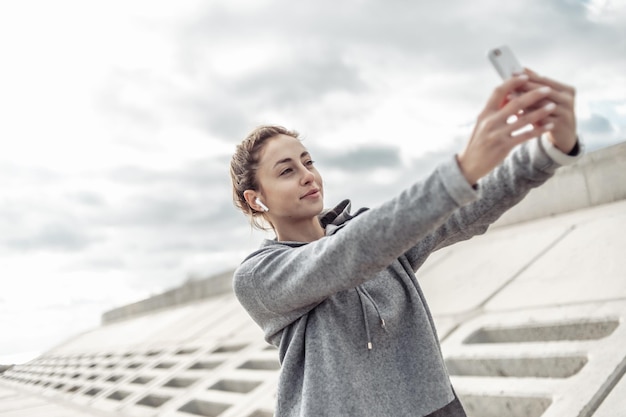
<point x="354" y="332"/>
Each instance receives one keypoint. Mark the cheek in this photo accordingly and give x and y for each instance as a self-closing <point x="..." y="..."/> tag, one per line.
<point x="278" y="191"/>
<point x="318" y="178"/>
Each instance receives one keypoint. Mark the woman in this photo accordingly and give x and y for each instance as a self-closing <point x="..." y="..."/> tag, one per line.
<point x="336" y="292"/>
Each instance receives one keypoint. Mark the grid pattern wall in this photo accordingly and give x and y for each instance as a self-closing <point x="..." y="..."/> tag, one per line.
<point x="202" y="359"/>
<point x="236" y="378"/>
<point x="547" y="362"/>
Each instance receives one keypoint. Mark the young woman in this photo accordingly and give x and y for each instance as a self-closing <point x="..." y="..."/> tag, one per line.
<point x="336" y="292"/>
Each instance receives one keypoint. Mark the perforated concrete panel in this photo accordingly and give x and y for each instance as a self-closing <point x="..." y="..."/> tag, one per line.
<point x="548" y="362"/>
<point x="220" y="366"/>
<point x="228" y="378"/>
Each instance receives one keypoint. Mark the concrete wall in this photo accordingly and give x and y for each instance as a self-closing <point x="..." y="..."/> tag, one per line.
<point x="598" y="178"/>
<point x="191" y="290"/>
<point x="5" y="368"/>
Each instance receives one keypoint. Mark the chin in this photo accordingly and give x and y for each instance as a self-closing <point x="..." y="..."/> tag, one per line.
<point x="315" y="210"/>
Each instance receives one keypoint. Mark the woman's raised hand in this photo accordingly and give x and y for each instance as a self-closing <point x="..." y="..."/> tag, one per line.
<point x="492" y="139"/>
<point x="563" y="135"/>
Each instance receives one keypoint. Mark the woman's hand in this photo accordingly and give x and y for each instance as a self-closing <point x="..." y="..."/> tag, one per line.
<point x="563" y="135"/>
<point x="493" y="138"/>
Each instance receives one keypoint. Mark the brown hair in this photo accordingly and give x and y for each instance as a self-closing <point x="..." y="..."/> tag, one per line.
<point x="244" y="165"/>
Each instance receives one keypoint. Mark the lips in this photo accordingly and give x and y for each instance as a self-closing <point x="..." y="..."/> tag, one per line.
<point x="311" y="192"/>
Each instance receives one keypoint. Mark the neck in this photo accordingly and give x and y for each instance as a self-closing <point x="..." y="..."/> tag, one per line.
<point x="303" y="231"/>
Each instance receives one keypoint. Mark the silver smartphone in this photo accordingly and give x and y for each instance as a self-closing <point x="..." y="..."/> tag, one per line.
<point x="505" y="62"/>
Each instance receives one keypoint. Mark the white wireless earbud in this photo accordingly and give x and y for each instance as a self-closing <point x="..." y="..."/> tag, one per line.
<point x="263" y="206"/>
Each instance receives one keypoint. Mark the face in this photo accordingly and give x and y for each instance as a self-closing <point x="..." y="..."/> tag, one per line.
<point x="290" y="185"/>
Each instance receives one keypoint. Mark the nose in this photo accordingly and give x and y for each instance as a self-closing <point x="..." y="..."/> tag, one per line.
<point x="307" y="176"/>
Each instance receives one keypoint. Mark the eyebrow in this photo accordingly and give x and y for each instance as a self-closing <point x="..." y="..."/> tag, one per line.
<point x="285" y="160"/>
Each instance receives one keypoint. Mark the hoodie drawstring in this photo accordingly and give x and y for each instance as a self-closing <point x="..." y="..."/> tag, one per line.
<point x="363" y="293"/>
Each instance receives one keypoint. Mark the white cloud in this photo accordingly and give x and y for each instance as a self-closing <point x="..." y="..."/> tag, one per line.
<point x="606" y="11"/>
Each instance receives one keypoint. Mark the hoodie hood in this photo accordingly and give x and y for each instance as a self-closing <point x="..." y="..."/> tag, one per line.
<point x="333" y="219"/>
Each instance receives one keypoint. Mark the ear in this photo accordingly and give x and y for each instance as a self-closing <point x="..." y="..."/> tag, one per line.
<point x="250" y="196"/>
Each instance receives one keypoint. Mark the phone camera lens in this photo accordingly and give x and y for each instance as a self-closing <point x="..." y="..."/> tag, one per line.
<point x="497" y="52"/>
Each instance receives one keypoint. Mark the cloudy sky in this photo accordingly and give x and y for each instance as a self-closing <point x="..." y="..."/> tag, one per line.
<point x="118" y="119"/>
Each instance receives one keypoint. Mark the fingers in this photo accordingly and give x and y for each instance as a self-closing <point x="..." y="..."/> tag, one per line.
<point x="523" y="102"/>
<point x="529" y="134"/>
<point x="556" y="85"/>
<point x="563" y="116"/>
<point x="563" y="97"/>
<point x="536" y="104"/>
<point x="501" y="93"/>
<point x="539" y="119"/>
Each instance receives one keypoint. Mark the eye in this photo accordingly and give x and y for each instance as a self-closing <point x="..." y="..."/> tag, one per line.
<point x="309" y="163"/>
<point x="285" y="171"/>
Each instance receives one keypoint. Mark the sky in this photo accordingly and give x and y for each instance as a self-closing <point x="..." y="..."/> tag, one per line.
<point x="118" y="120"/>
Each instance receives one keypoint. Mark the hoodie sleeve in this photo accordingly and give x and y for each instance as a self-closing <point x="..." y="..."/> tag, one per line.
<point x="280" y="279"/>
<point x="530" y="165"/>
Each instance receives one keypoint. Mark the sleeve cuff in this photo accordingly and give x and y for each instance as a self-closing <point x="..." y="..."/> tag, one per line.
<point x="557" y="155"/>
<point x="456" y="184"/>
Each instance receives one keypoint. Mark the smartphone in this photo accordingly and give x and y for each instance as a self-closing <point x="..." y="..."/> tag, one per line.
<point x="505" y="62"/>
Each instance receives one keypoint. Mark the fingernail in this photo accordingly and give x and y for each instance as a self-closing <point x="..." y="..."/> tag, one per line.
<point x="544" y="89"/>
<point x="522" y="76"/>
<point x="548" y="126"/>
<point x="550" y="106"/>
